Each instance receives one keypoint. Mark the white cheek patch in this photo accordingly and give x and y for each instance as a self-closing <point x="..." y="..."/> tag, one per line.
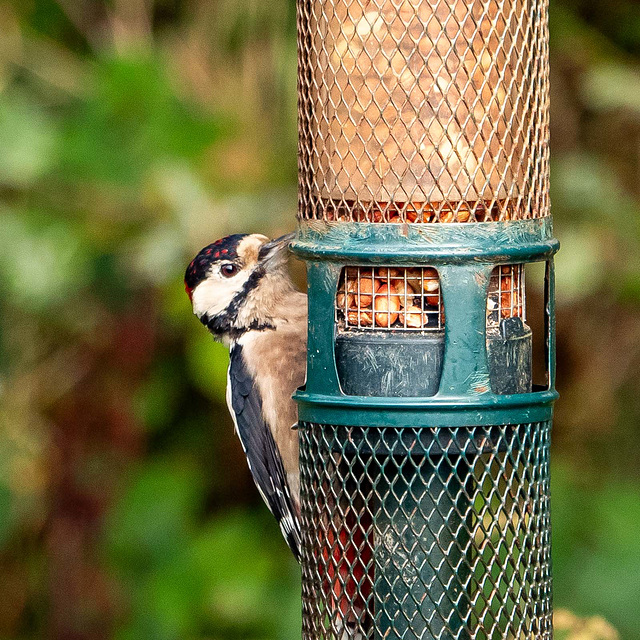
<point x="213" y="295"/>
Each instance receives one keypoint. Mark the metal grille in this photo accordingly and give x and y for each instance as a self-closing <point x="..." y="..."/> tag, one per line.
<point x="423" y="110"/>
<point x="389" y="298"/>
<point x="436" y="533"/>
<point x="507" y="297"/>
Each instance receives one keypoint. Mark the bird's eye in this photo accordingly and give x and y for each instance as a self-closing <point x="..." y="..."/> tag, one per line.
<point x="228" y="270"/>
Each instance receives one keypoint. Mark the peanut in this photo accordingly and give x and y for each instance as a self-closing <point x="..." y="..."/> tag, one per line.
<point x="449" y="216"/>
<point x="430" y="273"/>
<point x="386" y="272"/>
<point x="433" y="301"/>
<point x="365" y="288"/>
<point x="388" y="305"/>
<point x="369" y="216"/>
<point x="414" y="317"/>
<point x="446" y="217"/>
<point x="506" y="302"/>
<point x="343" y="300"/>
<point x="431" y="284"/>
<point x="364" y="318"/>
<point x="405" y="293"/>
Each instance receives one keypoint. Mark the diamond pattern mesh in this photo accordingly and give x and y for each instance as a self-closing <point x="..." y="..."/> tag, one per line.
<point x="426" y="533"/>
<point x="423" y="110"/>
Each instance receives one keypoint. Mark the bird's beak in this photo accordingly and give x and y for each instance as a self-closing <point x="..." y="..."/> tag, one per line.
<point x="274" y="252"/>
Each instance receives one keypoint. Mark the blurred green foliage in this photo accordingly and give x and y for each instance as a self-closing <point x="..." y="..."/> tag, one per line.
<point x="132" y="133"/>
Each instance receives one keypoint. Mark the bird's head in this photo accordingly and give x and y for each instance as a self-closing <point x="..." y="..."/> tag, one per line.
<point x="235" y="283"/>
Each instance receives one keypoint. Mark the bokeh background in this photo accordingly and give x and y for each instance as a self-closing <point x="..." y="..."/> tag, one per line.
<point x="133" y="132"/>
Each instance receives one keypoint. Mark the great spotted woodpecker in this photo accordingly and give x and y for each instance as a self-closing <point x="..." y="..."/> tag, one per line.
<point x="241" y="291"/>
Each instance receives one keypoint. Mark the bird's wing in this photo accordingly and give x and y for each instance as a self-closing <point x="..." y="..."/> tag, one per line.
<point x="263" y="457"/>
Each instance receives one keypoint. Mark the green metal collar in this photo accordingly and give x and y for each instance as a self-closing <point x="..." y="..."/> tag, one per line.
<point x="487" y="409"/>
<point x="499" y="242"/>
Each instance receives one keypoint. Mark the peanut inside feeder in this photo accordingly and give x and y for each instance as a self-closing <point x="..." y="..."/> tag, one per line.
<point x="506" y="295"/>
<point x="422" y="112"/>
<point x="389" y="298"/>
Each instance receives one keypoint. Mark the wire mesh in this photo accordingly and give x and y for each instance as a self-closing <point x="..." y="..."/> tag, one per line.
<point x="425" y="533"/>
<point x="389" y="298"/>
<point x="507" y="298"/>
<point x="423" y="110"/>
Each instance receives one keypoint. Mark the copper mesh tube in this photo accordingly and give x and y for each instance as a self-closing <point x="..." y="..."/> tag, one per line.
<point x="423" y="110"/>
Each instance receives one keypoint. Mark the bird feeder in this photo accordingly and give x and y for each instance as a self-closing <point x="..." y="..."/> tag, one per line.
<point x="423" y="195"/>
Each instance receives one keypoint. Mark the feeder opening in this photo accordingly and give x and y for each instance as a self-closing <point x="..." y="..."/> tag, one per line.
<point x="389" y="331"/>
<point x="540" y="318"/>
<point x="389" y="299"/>
<point x="506" y="295"/>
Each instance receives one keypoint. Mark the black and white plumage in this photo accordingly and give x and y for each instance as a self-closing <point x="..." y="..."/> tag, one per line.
<point x="263" y="457"/>
<point x="241" y="291"/>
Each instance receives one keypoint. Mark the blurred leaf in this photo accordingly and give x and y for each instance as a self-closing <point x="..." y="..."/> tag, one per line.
<point x="243" y="580"/>
<point x="43" y="259"/>
<point x="156" y="401"/>
<point x="612" y="86"/>
<point x="28" y="139"/>
<point x="152" y="521"/>
<point x="156" y="256"/>
<point x="166" y="603"/>
<point x="131" y="122"/>
<point x="589" y="193"/>
<point x="595" y="547"/>
<point x="580" y="265"/>
<point x="208" y="362"/>
<point x="189" y="200"/>
<point x="568" y="626"/>
<point x="6" y="516"/>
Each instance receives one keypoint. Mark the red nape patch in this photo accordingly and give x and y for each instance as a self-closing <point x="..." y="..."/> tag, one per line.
<point x="189" y="291"/>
